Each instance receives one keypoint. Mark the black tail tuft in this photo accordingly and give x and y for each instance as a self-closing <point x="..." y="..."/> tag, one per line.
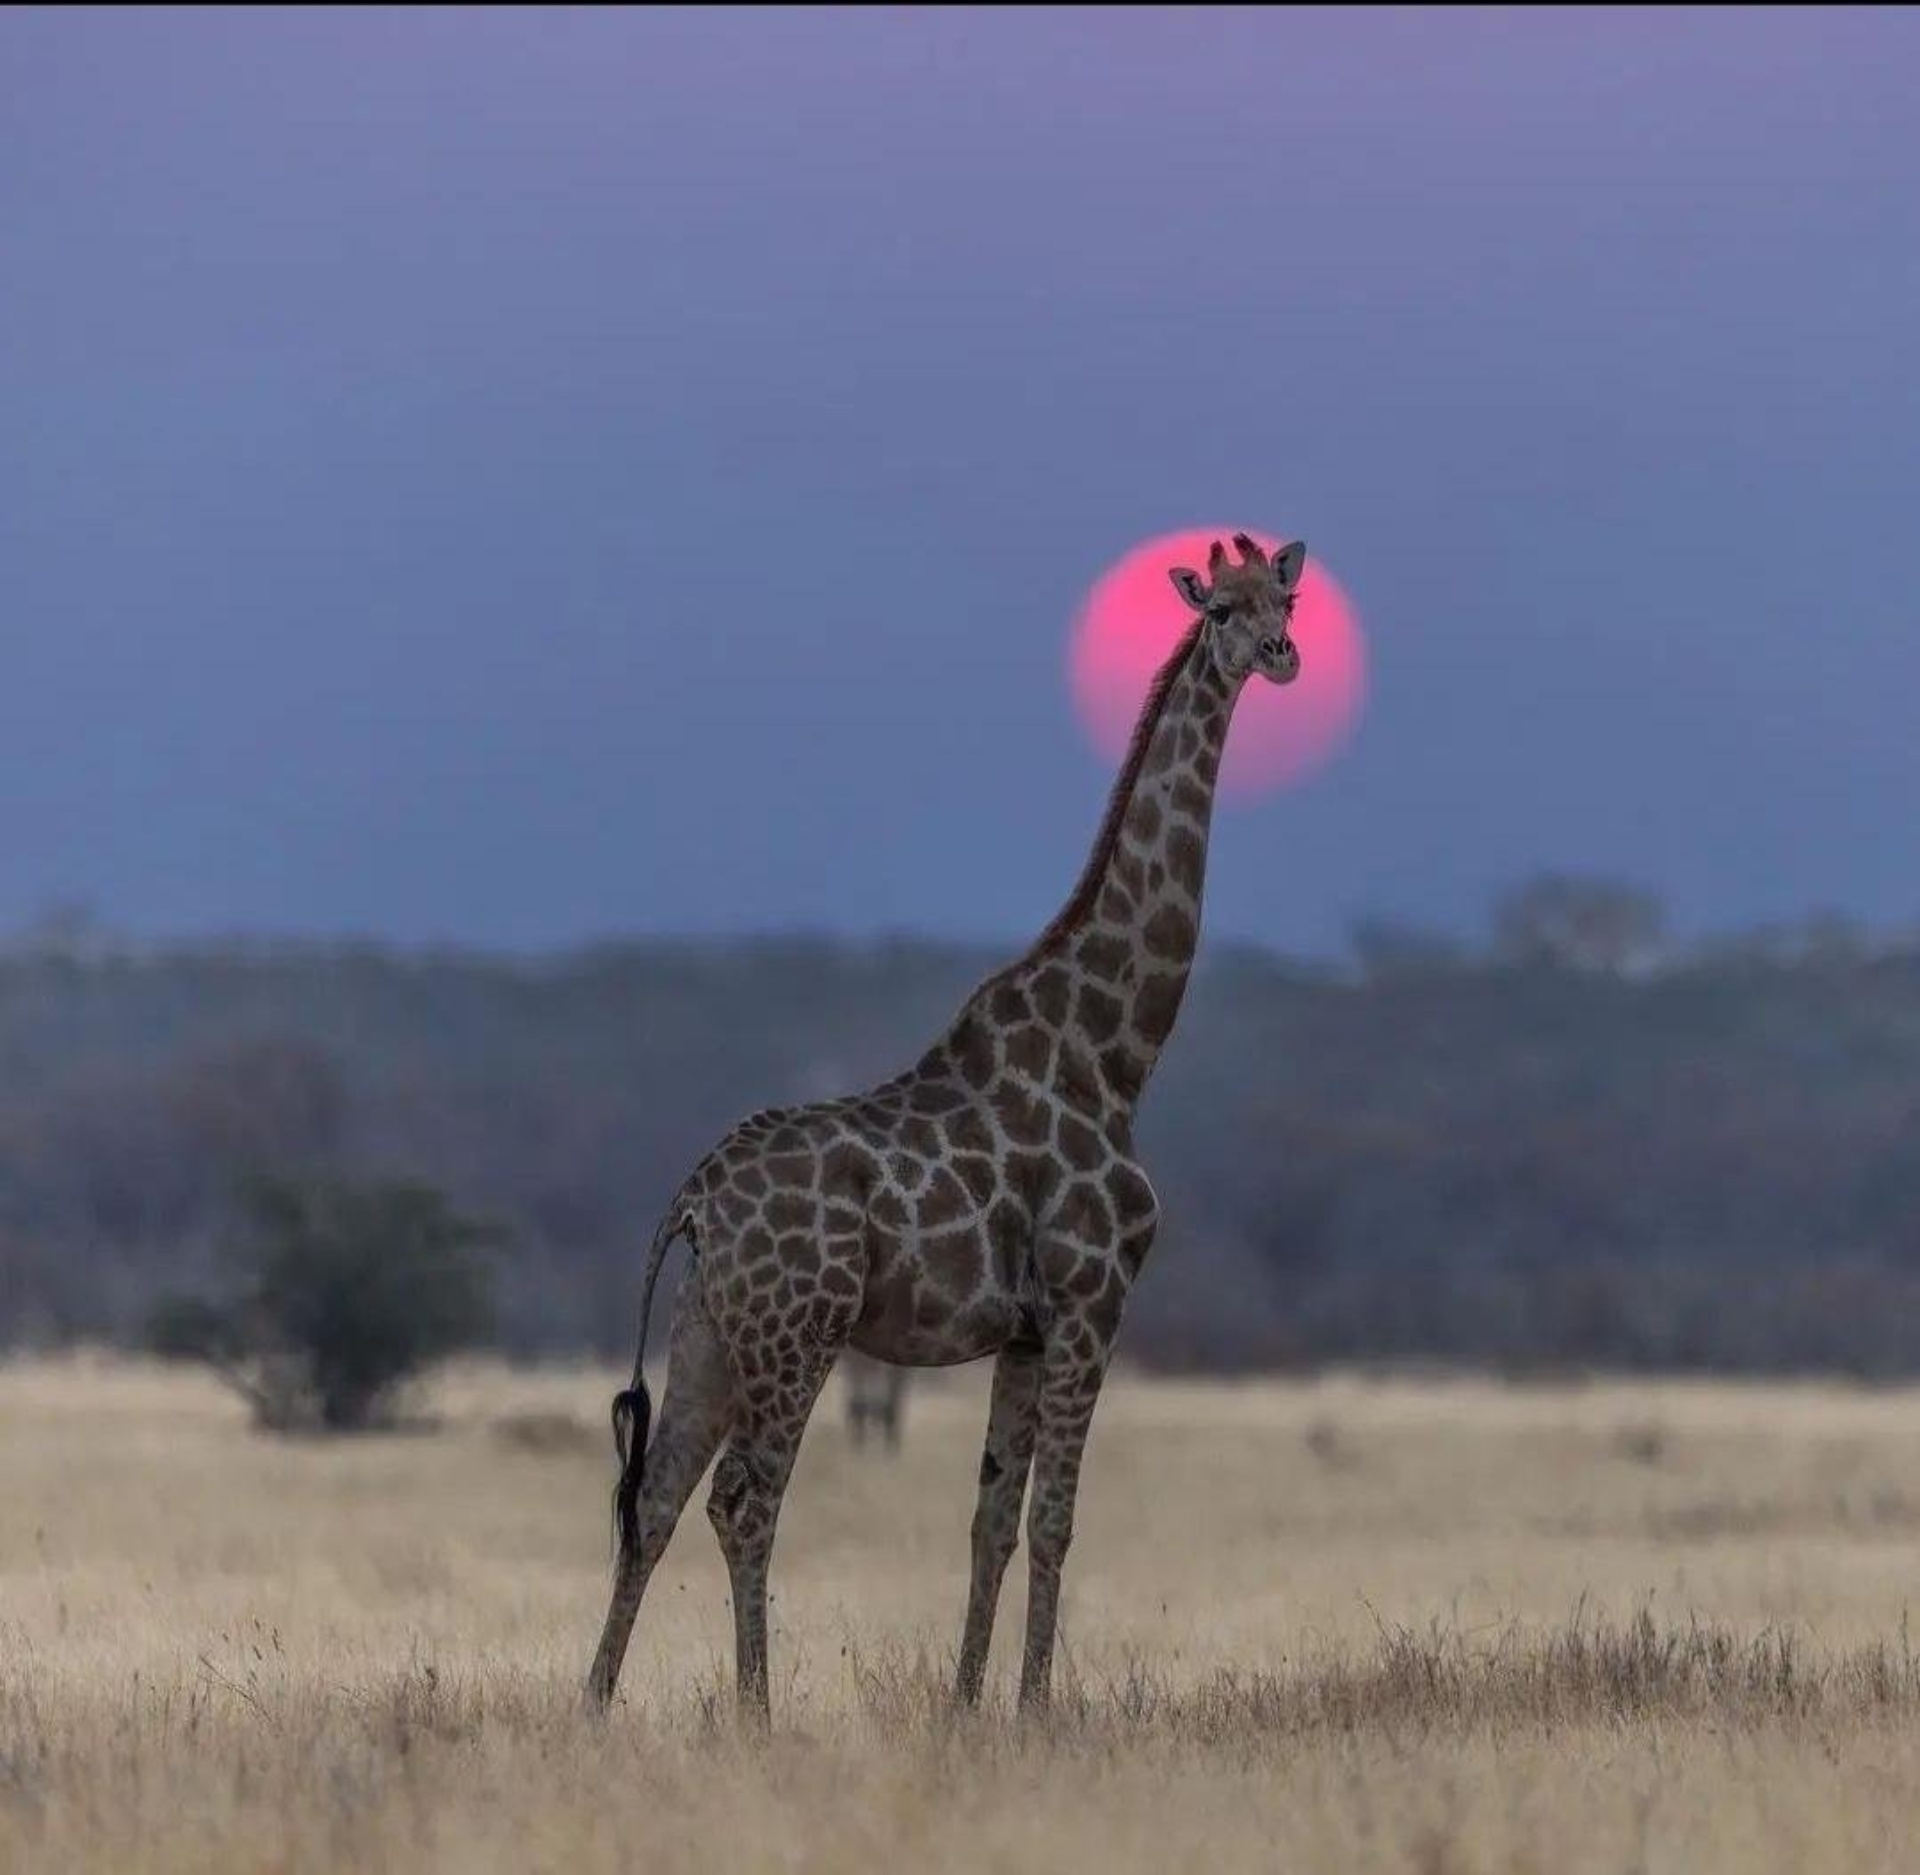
<point x="632" y="1411"/>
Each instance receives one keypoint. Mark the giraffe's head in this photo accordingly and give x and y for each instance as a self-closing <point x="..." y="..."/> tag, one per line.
<point x="1248" y="608"/>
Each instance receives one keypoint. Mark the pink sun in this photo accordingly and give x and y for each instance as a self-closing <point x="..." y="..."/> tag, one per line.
<point x="1131" y="620"/>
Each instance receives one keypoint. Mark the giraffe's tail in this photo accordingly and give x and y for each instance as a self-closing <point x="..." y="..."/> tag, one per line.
<point x="632" y="1407"/>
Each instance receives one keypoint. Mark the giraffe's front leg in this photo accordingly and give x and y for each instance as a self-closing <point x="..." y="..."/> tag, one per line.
<point x="1074" y="1366"/>
<point x="1011" y="1425"/>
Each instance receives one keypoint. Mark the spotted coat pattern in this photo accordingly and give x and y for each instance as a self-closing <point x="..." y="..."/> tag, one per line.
<point x="987" y="1201"/>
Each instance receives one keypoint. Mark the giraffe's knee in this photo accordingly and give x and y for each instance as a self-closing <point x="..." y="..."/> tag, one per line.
<point x="737" y="1504"/>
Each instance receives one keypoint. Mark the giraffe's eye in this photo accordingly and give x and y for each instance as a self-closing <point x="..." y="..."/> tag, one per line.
<point x="1219" y="612"/>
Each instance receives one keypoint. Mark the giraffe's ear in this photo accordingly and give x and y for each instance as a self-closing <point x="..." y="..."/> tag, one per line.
<point x="1190" y="586"/>
<point x="1289" y="563"/>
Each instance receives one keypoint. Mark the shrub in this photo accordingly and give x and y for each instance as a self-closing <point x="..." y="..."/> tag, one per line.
<point x="342" y="1294"/>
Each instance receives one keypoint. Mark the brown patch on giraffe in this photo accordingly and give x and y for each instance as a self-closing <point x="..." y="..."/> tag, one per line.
<point x="1189" y="741"/>
<point x="985" y="1323"/>
<point x="733" y="1209"/>
<point x="1122" y="1070"/>
<point x="1143" y="819"/>
<point x="1052" y="989"/>
<point x="786" y="1137"/>
<point x="750" y="1179"/>
<point x="1190" y="798"/>
<point x="1085" y="1215"/>
<point x="974" y="1051"/>
<point x="1009" y="1004"/>
<point x="787" y="1210"/>
<point x="800" y="1251"/>
<point x="1088" y="1278"/>
<point x="790" y="1168"/>
<point x="1023" y="1113"/>
<point x="1008" y="1233"/>
<point x="1206" y="764"/>
<point x="1104" y="1311"/>
<point x="1115" y="906"/>
<point x="1030" y="1051"/>
<point x="968" y="1131"/>
<point x="1102" y="952"/>
<point x="1171" y="933"/>
<point x="1130" y="873"/>
<point x="1083" y="1147"/>
<point x="1054" y="1262"/>
<point x="980" y="1175"/>
<point x="1156" y="1006"/>
<point x="887" y="1209"/>
<point x="1078" y="1079"/>
<point x="920" y="1136"/>
<point x="848" y="1171"/>
<point x="837" y="1280"/>
<point x="936" y="1097"/>
<point x="1099" y="1014"/>
<point x="1132" y="1196"/>
<point x="945" y="1201"/>
<point x="1186" y="859"/>
<point x="955" y="1260"/>
<point x="1032" y="1177"/>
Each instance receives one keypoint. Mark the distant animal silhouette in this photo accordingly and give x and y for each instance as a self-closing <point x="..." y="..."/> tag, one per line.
<point x="988" y="1200"/>
<point x="876" y="1396"/>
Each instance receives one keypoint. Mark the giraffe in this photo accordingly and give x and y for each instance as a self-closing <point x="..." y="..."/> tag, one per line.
<point x="987" y="1201"/>
<point x="876" y="1393"/>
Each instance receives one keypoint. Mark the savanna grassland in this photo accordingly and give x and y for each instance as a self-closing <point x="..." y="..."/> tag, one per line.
<point x="1322" y="1625"/>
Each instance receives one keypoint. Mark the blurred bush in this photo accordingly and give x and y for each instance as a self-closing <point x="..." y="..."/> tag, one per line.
<point x="340" y="1295"/>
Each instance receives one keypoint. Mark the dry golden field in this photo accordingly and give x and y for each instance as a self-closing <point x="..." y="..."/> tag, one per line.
<point x="1338" y="1625"/>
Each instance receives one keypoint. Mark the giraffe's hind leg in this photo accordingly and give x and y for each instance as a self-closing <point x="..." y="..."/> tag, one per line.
<point x="695" y="1412"/>
<point x="779" y="1384"/>
<point x="1011" y="1427"/>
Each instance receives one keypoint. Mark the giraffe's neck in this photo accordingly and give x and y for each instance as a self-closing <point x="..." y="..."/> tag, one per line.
<point x="1131" y="928"/>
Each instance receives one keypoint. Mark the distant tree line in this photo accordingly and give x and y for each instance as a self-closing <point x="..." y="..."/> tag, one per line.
<point x="1571" y="1143"/>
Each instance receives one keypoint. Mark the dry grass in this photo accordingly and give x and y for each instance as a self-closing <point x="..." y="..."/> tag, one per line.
<point x="1321" y="1626"/>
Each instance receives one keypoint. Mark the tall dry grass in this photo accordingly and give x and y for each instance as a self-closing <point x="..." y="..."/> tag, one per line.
<point x="1336" y="1625"/>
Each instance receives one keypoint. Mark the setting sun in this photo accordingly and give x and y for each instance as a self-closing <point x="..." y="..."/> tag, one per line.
<point x="1131" y="620"/>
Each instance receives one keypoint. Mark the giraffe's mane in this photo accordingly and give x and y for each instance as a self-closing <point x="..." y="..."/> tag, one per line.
<point x="1075" y="910"/>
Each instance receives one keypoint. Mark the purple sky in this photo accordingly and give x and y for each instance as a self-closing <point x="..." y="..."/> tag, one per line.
<point x="525" y="476"/>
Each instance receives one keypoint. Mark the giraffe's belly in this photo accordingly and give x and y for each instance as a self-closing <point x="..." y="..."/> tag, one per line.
<point x="936" y="1300"/>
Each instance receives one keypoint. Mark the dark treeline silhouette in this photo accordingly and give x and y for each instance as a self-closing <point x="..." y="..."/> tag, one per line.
<point x="1571" y="1147"/>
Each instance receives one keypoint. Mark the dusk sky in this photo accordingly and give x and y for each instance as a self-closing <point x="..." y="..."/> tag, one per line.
<point x="526" y="477"/>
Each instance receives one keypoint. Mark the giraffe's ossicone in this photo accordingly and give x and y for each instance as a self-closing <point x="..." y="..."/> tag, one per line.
<point x="986" y="1201"/>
